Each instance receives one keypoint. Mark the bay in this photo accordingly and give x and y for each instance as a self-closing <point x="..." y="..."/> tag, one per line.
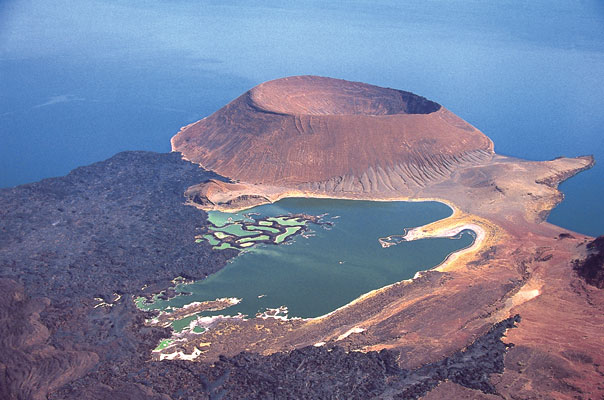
<point x="328" y="267"/>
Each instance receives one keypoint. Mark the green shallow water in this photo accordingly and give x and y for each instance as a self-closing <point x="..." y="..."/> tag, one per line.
<point x="315" y="273"/>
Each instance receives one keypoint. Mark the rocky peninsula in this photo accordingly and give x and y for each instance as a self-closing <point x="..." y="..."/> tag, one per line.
<point x="517" y="315"/>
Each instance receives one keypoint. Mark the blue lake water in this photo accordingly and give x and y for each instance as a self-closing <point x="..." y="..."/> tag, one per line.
<point x="315" y="273"/>
<point x="82" y="80"/>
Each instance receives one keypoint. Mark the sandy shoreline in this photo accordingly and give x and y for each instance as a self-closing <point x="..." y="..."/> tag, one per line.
<point x="446" y="227"/>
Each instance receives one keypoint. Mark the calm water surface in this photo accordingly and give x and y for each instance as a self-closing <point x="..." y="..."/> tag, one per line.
<point x="82" y="80"/>
<point x="315" y="275"/>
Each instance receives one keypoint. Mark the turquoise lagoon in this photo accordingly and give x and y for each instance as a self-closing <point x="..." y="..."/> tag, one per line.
<point x="327" y="266"/>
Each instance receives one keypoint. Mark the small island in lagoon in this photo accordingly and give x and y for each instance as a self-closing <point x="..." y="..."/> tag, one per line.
<point x="243" y="232"/>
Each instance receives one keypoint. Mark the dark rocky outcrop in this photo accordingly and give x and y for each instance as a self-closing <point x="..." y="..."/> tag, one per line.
<point x="319" y="373"/>
<point x="111" y="227"/>
<point x="307" y="373"/>
<point x="105" y="230"/>
<point x="591" y="268"/>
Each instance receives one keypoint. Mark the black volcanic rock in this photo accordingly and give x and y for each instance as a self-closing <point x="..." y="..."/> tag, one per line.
<point x="110" y="227"/>
<point x="104" y="230"/>
<point x="306" y="373"/>
<point x="320" y="373"/>
<point x="591" y="268"/>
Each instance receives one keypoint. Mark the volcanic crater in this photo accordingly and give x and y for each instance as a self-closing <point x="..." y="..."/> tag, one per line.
<point x="307" y="95"/>
<point x="314" y="133"/>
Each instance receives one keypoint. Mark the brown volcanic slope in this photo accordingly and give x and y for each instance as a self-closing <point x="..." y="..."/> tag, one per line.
<point x="362" y="138"/>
